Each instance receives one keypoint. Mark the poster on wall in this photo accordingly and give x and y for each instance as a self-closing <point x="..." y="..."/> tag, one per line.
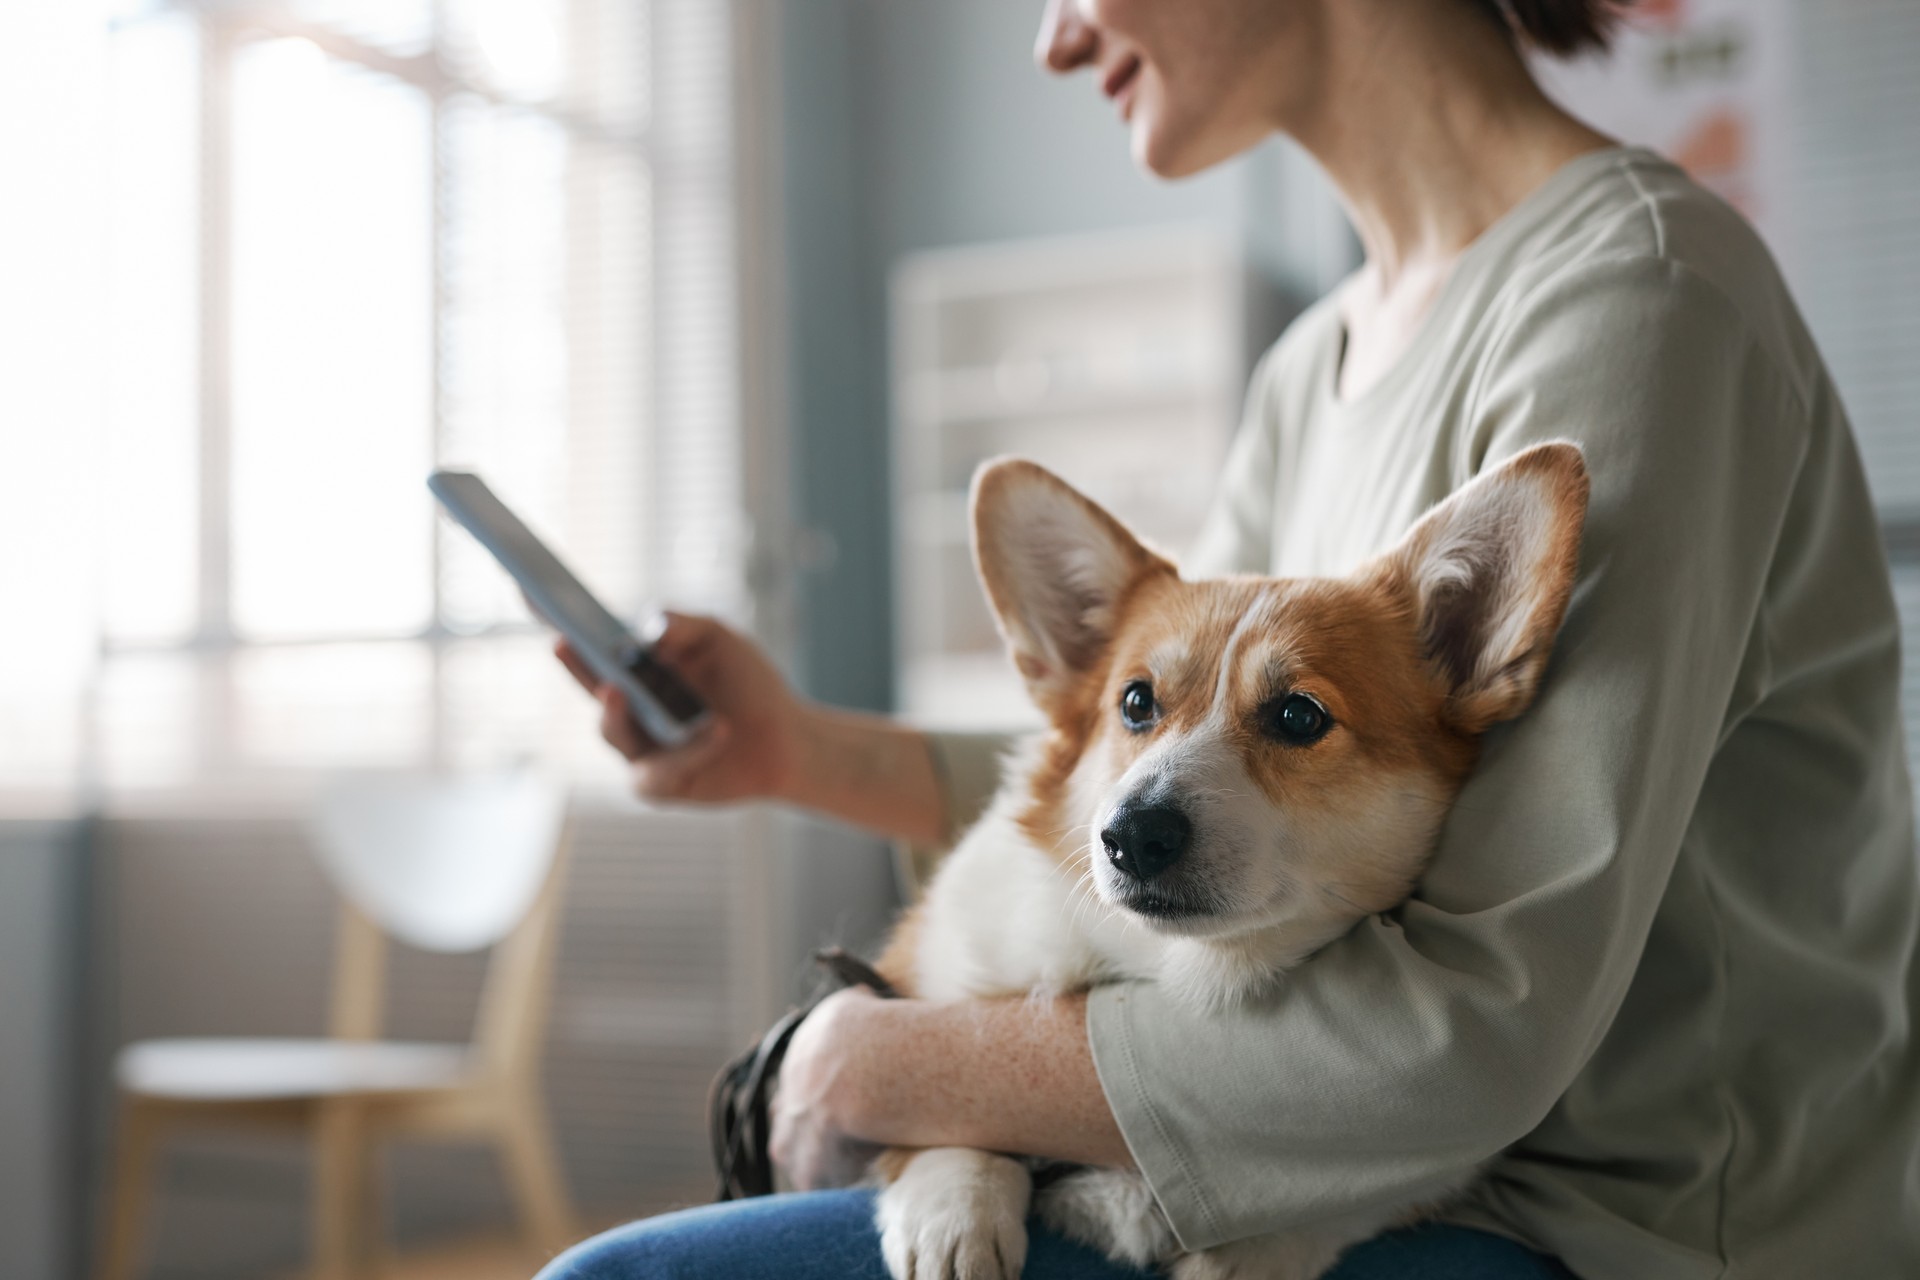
<point x="1705" y="83"/>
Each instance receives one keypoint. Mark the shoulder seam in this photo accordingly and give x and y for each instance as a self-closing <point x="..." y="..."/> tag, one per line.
<point x="1509" y="323"/>
<point x="1645" y="200"/>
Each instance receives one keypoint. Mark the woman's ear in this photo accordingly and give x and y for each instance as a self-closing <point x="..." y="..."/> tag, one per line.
<point x="1489" y="572"/>
<point x="1056" y="568"/>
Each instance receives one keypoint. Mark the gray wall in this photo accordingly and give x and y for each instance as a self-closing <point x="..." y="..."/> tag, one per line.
<point x="40" y="887"/>
<point x="968" y="140"/>
<point x="911" y="124"/>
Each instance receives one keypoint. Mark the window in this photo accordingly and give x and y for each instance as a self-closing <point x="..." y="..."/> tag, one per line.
<point x="351" y="240"/>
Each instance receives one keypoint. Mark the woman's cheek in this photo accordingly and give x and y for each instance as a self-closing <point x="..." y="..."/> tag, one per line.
<point x="1111" y="14"/>
<point x="1145" y="27"/>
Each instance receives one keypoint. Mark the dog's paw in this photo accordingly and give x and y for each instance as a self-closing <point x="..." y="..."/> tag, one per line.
<point x="1276" y="1257"/>
<point x="956" y="1214"/>
<point x="1112" y="1210"/>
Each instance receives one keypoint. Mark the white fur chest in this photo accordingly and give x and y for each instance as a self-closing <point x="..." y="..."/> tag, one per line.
<point x="1005" y="918"/>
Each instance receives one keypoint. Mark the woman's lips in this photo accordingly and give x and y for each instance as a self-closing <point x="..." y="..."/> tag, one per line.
<point x="1120" y="81"/>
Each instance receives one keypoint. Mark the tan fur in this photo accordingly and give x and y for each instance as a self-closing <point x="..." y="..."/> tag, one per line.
<point x="1352" y="645"/>
<point x="1502" y="683"/>
<point x="891" y="1163"/>
<point x="897" y="962"/>
<point x="1058" y="688"/>
<point x="1412" y="658"/>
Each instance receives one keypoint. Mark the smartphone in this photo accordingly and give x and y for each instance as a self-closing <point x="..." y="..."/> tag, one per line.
<point x="659" y="700"/>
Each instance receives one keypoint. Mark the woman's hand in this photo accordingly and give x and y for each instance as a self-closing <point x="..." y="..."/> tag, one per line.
<point x="764" y="742"/>
<point x="809" y="1142"/>
<point x="749" y="748"/>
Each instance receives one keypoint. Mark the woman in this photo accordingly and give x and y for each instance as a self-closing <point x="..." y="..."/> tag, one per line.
<point x="1659" y="978"/>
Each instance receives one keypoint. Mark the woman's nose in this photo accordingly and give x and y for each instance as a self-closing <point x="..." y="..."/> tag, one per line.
<point x="1067" y="41"/>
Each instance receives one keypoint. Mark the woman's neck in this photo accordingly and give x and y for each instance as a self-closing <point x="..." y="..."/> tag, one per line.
<point x="1431" y="128"/>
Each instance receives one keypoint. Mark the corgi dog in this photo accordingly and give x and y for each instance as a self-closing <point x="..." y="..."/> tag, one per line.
<point x="1234" y="773"/>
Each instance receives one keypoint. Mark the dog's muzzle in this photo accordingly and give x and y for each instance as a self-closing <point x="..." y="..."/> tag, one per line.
<point x="1144" y="840"/>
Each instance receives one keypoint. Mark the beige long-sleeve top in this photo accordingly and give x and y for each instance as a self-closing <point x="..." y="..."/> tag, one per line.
<point x="1660" y="975"/>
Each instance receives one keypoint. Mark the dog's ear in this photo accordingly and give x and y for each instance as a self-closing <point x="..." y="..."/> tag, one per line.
<point x="1056" y="568"/>
<point x="1489" y="572"/>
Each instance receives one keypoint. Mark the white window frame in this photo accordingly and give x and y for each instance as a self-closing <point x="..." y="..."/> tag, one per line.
<point x="759" y="596"/>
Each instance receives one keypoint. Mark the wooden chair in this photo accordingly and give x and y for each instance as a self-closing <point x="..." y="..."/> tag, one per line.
<point x="441" y="865"/>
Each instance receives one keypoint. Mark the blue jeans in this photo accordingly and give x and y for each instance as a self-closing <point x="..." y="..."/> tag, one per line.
<point x="829" y="1235"/>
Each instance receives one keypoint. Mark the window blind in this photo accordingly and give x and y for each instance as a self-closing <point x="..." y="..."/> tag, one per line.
<point x="356" y="239"/>
<point x="1856" y="269"/>
<point x="1857" y="187"/>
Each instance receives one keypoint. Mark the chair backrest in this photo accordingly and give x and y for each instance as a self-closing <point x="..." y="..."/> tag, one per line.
<point x="449" y="865"/>
<point x="439" y="863"/>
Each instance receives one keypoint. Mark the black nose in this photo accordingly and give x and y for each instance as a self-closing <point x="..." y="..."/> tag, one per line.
<point x="1143" y="842"/>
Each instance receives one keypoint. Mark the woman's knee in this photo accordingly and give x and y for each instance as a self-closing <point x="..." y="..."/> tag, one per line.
<point x="793" y="1237"/>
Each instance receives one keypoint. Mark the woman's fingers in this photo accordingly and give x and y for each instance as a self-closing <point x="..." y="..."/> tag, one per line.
<point x="577" y="667"/>
<point x="675" y="636"/>
<point x="659" y="774"/>
<point x="677" y="774"/>
<point x="709" y="655"/>
<point x="671" y="637"/>
<point x="618" y="728"/>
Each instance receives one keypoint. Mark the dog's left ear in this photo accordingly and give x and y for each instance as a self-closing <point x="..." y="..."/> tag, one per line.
<point x="1489" y="572"/>
<point x="1056" y="568"/>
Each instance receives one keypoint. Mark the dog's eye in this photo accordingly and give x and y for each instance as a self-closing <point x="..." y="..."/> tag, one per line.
<point x="1136" y="705"/>
<point x="1298" y="719"/>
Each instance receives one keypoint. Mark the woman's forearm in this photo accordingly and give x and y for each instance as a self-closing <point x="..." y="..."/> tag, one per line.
<point x="1011" y="1075"/>
<point x="869" y="771"/>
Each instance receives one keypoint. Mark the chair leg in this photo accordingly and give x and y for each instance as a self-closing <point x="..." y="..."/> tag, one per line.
<point x="132" y="1191"/>
<point x="534" y="1177"/>
<point x="340" y="1191"/>
<point x="374" y="1227"/>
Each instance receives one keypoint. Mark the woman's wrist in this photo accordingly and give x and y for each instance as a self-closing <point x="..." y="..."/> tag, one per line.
<point x="851" y="1099"/>
<point x="856" y="1046"/>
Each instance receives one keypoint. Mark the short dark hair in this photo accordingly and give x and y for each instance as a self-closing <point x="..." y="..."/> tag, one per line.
<point x="1559" y="27"/>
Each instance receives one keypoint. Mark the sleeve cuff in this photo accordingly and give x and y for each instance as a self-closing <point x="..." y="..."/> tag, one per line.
<point x="1170" y="1170"/>
<point x="968" y="767"/>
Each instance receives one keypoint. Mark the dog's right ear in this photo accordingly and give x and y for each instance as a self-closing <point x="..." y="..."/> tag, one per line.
<point x="1488" y="573"/>
<point x="1056" y="568"/>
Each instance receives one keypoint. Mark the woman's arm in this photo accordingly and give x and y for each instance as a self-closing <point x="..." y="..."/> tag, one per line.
<point x="1398" y="1059"/>
<point x="997" y="1075"/>
<point x="870" y="771"/>
<point x="766" y="743"/>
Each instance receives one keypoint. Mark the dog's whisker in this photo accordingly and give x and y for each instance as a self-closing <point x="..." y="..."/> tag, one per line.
<point x="1083" y="893"/>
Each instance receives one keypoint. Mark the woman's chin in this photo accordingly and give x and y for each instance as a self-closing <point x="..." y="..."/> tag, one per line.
<point x="1180" y="153"/>
<point x="1151" y="151"/>
<point x="1161" y="156"/>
